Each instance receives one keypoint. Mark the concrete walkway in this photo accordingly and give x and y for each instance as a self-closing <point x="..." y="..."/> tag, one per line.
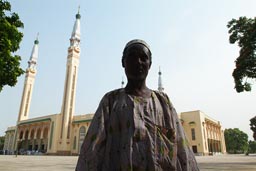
<point x="68" y="163"/>
<point x="37" y="163"/>
<point x="227" y="162"/>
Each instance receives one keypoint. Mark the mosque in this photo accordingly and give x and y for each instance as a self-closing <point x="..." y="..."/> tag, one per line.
<point x="63" y="133"/>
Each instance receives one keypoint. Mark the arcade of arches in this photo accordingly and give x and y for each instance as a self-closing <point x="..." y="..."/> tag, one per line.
<point x="214" y="137"/>
<point x="33" y="137"/>
<point x="42" y="135"/>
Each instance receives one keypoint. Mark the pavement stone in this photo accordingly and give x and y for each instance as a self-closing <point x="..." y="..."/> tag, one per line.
<point x="68" y="163"/>
<point x="238" y="162"/>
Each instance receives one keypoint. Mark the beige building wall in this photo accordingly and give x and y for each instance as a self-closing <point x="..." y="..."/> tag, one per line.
<point x="9" y="140"/>
<point x="54" y="132"/>
<point x="204" y="134"/>
<point x="80" y="126"/>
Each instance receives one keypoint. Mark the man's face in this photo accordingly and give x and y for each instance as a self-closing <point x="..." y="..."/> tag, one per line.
<point x="137" y="62"/>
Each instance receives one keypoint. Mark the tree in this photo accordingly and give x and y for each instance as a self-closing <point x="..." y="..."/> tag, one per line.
<point x="236" y="140"/>
<point x="243" y="32"/>
<point x="2" y="142"/>
<point x="253" y="126"/>
<point x="252" y="146"/>
<point x="10" y="38"/>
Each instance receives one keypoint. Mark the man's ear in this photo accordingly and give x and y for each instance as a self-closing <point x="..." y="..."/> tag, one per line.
<point x="123" y="62"/>
<point x="150" y="64"/>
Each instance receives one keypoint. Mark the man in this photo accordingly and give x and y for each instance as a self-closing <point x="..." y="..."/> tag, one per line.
<point x="136" y="128"/>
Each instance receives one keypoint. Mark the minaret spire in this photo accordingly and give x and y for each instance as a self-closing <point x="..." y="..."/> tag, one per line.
<point x="160" y="84"/>
<point x="75" y="36"/>
<point x="29" y="83"/>
<point x="34" y="54"/>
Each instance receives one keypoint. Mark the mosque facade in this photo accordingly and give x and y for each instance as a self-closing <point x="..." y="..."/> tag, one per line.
<point x="63" y="133"/>
<point x="205" y="134"/>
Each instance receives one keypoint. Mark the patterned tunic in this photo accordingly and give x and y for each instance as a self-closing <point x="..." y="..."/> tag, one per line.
<point x="130" y="133"/>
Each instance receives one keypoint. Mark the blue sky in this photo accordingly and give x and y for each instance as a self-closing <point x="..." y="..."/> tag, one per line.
<point x="188" y="39"/>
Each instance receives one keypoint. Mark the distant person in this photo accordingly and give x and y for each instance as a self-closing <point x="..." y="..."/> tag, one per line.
<point x="136" y="128"/>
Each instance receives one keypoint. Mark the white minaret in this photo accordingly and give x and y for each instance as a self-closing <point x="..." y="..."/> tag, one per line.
<point x="160" y="84"/>
<point x="29" y="83"/>
<point x="68" y="102"/>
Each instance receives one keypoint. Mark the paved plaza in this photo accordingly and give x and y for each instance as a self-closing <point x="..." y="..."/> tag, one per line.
<point x="67" y="163"/>
<point x="227" y="162"/>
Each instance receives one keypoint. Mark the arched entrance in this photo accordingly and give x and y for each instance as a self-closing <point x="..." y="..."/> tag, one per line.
<point x="45" y="140"/>
<point x="81" y="137"/>
<point x="31" y="141"/>
<point x="38" y="140"/>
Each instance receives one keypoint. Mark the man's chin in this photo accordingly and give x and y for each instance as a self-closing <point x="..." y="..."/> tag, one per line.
<point x="139" y="78"/>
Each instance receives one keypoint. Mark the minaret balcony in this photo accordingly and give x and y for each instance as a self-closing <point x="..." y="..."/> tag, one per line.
<point x="73" y="48"/>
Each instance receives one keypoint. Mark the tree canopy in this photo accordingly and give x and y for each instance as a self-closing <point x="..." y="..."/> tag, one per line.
<point x="236" y="140"/>
<point x="253" y="126"/>
<point x="252" y="147"/>
<point x="10" y="38"/>
<point x="243" y="31"/>
<point x="2" y="142"/>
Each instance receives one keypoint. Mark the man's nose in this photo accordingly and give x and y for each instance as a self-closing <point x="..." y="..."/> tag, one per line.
<point x="139" y="61"/>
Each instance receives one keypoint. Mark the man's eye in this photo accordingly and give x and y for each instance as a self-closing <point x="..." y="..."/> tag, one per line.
<point x="144" y="58"/>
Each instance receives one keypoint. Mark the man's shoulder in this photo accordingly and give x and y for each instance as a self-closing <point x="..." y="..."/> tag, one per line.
<point x="160" y="94"/>
<point x="163" y="97"/>
<point x="111" y="96"/>
<point x="114" y="92"/>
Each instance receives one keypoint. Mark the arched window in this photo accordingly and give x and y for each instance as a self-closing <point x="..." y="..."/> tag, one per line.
<point x="81" y="137"/>
<point x="193" y="133"/>
<point x="74" y="143"/>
